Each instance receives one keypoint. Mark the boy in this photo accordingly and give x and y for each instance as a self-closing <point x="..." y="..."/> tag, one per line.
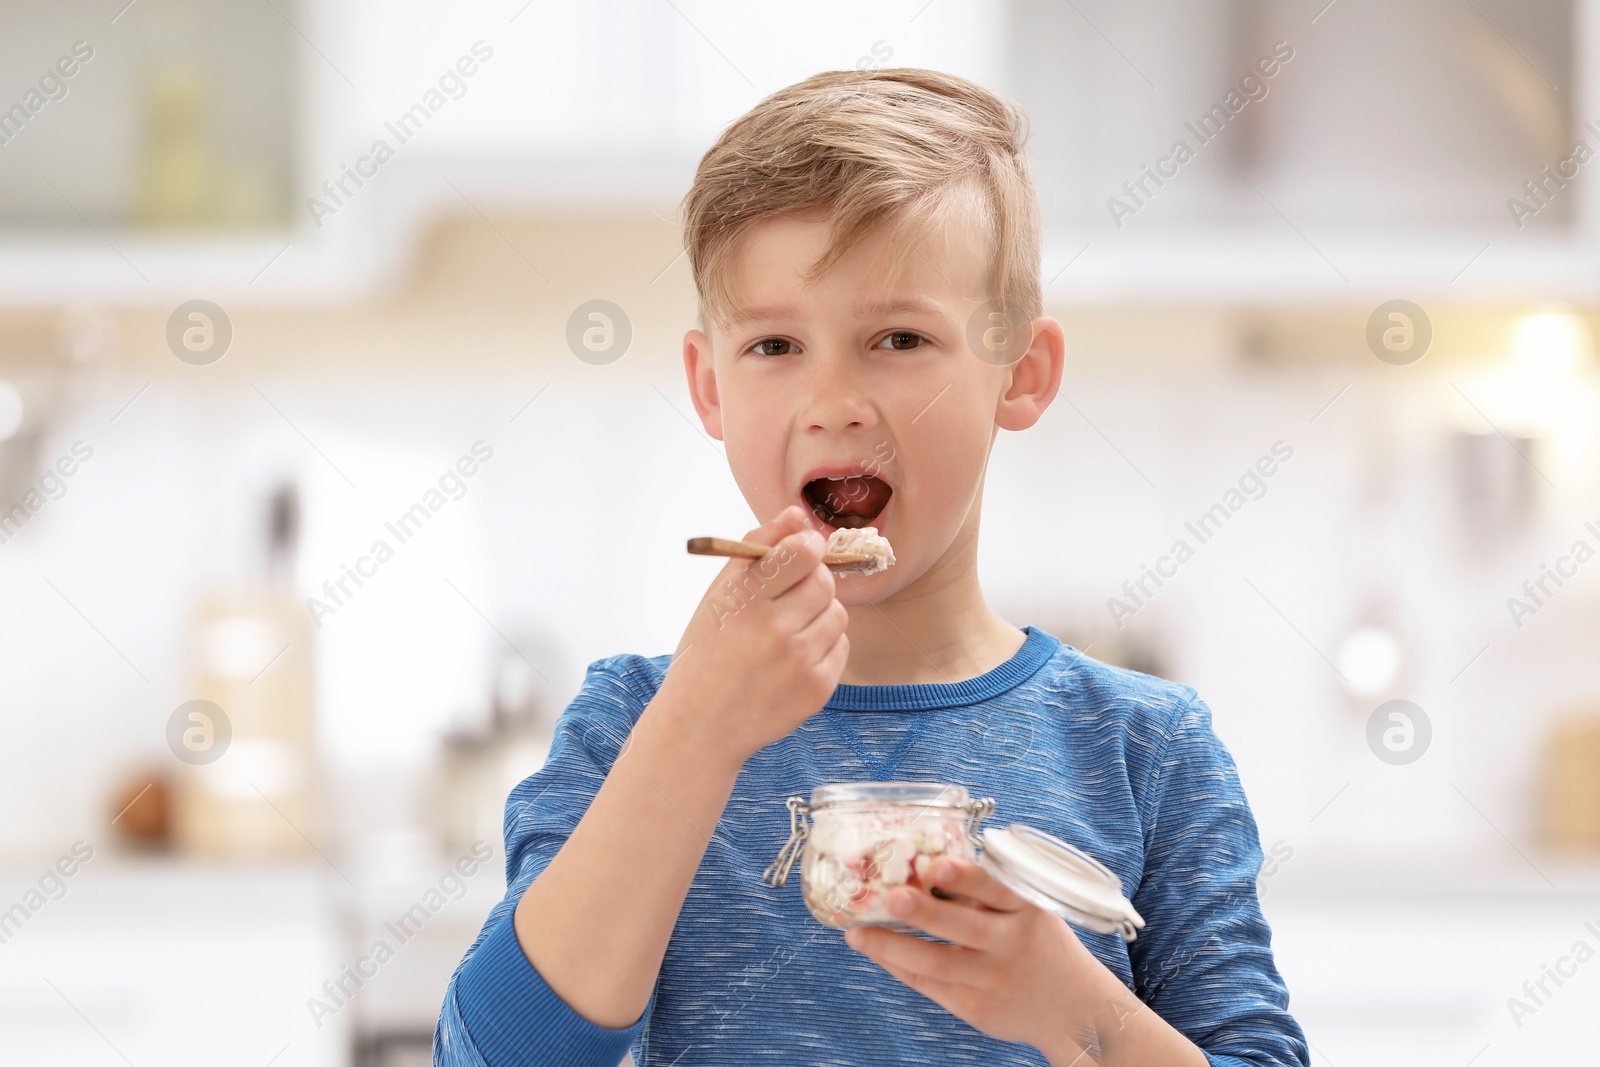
<point x="856" y="241"/>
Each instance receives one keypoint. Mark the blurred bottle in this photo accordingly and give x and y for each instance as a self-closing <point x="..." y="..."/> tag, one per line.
<point x="178" y="182"/>
<point x="1571" y="785"/>
<point x="252" y="650"/>
<point x="178" y="178"/>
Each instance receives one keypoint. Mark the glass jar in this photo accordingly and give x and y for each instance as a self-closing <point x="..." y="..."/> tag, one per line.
<point x="868" y="838"/>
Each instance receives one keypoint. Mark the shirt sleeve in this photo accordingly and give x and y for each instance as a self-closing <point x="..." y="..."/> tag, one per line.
<point x="498" y="1011"/>
<point x="1203" y="961"/>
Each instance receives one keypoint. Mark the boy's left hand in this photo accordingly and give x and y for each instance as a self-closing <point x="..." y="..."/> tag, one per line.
<point x="1012" y="970"/>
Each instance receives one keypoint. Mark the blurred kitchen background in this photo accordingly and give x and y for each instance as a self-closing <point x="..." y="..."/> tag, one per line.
<point x="282" y="280"/>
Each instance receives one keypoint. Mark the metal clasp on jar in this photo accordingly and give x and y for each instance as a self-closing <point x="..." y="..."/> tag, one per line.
<point x="777" y="874"/>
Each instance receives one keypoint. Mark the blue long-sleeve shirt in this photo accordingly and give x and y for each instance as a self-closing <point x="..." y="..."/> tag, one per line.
<point x="1123" y="765"/>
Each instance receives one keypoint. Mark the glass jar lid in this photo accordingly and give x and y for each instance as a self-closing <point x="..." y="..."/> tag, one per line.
<point x="932" y="794"/>
<point x="1058" y="877"/>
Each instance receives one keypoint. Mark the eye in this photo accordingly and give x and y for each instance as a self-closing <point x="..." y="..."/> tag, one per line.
<point x="902" y="340"/>
<point x="760" y="347"/>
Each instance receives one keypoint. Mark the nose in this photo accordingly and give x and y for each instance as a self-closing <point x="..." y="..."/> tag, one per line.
<point x="836" y="395"/>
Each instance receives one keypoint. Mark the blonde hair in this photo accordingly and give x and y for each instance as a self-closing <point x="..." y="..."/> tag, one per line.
<point x="900" y="145"/>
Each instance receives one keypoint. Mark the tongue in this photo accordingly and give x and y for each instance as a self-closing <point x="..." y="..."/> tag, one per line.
<point x="853" y="501"/>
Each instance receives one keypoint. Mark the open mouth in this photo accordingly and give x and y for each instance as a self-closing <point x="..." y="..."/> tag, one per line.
<point x="847" y="501"/>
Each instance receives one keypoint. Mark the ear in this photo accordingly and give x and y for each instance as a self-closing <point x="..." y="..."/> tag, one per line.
<point x="1035" y="378"/>
<point x="702" y="381"/>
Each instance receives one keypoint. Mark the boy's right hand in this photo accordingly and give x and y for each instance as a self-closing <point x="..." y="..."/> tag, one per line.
<point x="766" y="646"/>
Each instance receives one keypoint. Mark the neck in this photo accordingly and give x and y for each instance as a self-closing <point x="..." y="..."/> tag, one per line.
<point x="937" y="629"/>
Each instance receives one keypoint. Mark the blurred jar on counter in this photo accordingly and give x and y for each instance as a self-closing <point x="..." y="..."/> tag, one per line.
<point x="250" y="787"/>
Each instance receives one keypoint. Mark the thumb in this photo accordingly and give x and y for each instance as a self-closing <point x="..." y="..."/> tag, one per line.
<point x="790" y="520"/>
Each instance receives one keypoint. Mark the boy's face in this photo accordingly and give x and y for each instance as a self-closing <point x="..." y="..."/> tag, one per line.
<point x="860" y="399"/>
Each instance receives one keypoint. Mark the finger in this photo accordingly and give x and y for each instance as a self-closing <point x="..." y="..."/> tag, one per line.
<point x="951" y="964"/>
<point x="738" y="576"/>
<point x="956" y="921"/>
<point x="966" y="879"/>
<point x="950" y="997"/>
<point x="792" y="558"/>
<point x="806" y="599"/>
<point x="821" y="636"/>
<point x="833" y="663"/>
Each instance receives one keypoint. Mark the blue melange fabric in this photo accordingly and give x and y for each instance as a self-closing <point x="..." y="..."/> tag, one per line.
<point x="1123" y="765"/>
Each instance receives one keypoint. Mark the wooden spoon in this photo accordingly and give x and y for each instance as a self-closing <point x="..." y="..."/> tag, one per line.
<point x="840" y="562"/>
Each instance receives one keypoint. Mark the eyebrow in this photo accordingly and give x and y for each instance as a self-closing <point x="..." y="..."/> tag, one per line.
<point x="871" y="310"/>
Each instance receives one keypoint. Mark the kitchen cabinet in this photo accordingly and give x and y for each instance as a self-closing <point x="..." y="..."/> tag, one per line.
<point x="477" y="106"/>
<point x="1354" y="151"/>
<point x="1384" y="154"/>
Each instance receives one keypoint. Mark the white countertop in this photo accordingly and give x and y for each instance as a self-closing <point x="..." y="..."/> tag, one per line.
<point x="1386" y="959"/>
